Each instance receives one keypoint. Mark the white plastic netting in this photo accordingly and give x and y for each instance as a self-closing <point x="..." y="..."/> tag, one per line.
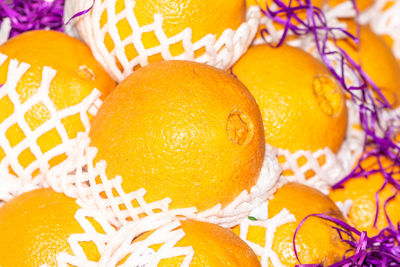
<point x="16" y="177"/>
<point x="81" y="178"/>
<point x="115" y="246"/>
<point x="323" y="168"/>
<point x="345" y="206"/>
<point x="387" y="22"/>
<point x="140" y="253"/>
<point x="221" y="52"/>
<point x="265" y="251"/>
<point x="5" y="29"/>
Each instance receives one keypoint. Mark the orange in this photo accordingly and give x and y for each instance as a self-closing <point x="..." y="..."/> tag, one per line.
<point x="362" y="192"/>
<point x="302" y="106"/>
<point x="316" y="241"/>
<point x="35" y="226"/>
<point x="201" y="16"/>
<point x="389" y="41"/>
<point x="78" y="74"/>
<point x="361" y="4"/>
<point x="182" y="130"/>
<point x="377" y="60"/>
<point x="212" y="245"/>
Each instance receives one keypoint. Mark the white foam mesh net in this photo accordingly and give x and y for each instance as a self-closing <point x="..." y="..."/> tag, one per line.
<point x="140" y="253"/>
<point x="265" y="251"/>
<point x="14" y="177"/>
<point x="115" y="245"/>
<point x="221" y="52"/>
<point x="5" y="29"/>
<point x="345" y="206"/>
<point x="323" y="168"/>
<point x="79" y="177"/>
<point x="387" y="22"/>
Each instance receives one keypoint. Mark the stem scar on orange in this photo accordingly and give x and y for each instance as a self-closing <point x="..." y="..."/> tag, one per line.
<point x="302" y="105"/>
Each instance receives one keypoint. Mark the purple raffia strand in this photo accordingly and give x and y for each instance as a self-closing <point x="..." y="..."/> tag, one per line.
<point x="27" y="15"/>
<point x="81" y="13"/>
<point x="380" y="250"/>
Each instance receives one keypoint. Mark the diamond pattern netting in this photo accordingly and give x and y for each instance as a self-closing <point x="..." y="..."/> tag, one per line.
<point x="81" y="178"/>
<point x="323" y="168"/>
<point x="16" y="178"/>
<point x="140" y="253"/>
<point x="115" y="245"/>
<point x="5" y="29"/>
<point x="387" y="22"/>
<point x="220" y="52"/>
<point x="265" y="251"/>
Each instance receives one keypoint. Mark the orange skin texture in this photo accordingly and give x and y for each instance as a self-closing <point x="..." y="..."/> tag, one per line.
<point x="169" y="128"/>
<point x="316" y="241"/>
<point x="377" y="60"/>
<point x="69" y="87"/>
<point x="296" y="116"/>
<point x="362" y="192"/>
<point x="389" y="41"/>
<point x="212" y="245"/>
<point x="35" y="226"/>
<point x="202" y="16"/>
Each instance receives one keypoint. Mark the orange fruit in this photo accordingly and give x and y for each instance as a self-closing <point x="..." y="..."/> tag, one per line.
<point x="182" y="130"/>
<point x="212" y="245"/>
<point x="35" y="226"/>
<point x="302" y="106"/>
<point x="361" y="191"/>
<point x="389" y="41"/>
<point x="316" y="241"/>
<point x="377" y="60"/>
<point x="201" y="16"/>
<point x="78" y="74"/>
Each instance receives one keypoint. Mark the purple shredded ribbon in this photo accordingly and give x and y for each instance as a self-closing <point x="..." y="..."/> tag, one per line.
<point x="383" y="249"/>
<point x="81" y="13"/>
<point x="27" y="15"/>
<point x="380" y="250"/>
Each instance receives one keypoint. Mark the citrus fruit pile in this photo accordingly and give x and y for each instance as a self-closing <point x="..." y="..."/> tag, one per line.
<point x="199" y="133"/>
